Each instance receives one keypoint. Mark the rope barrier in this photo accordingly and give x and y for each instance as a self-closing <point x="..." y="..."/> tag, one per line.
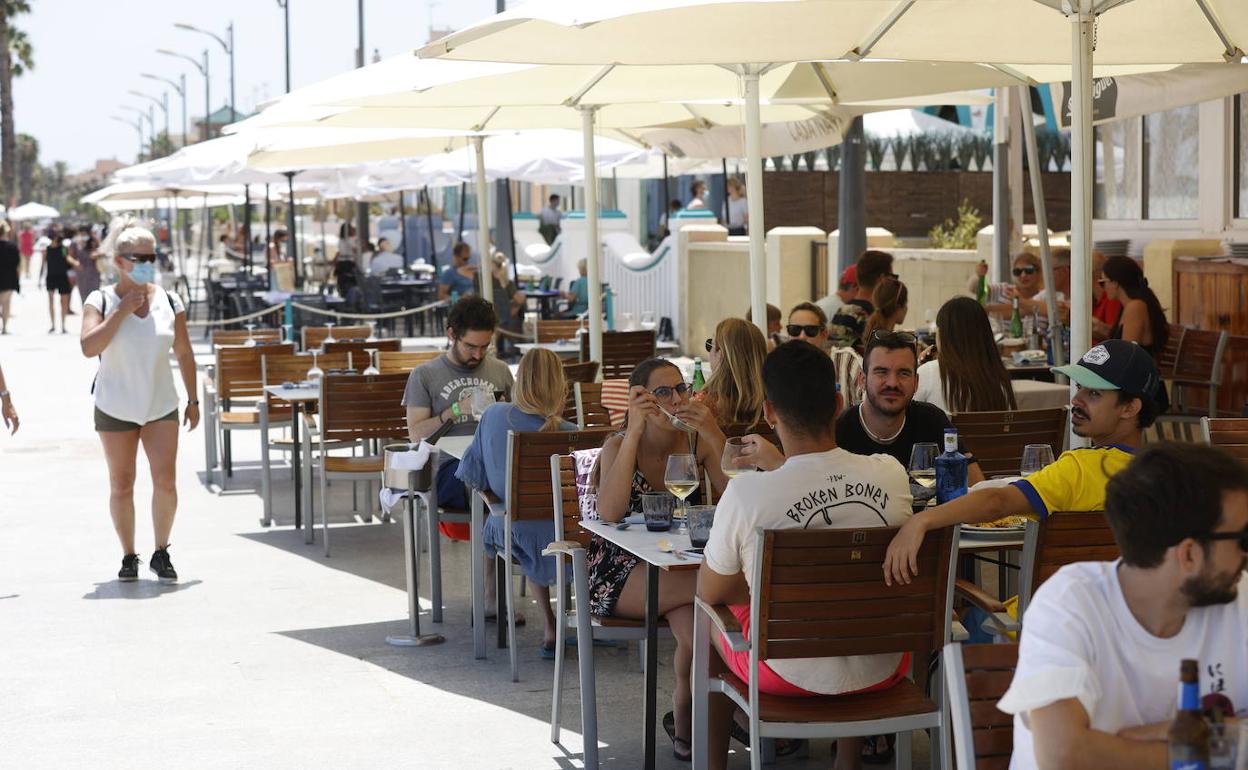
<point x="370" y="316"/>
<point x="237" y="319"/>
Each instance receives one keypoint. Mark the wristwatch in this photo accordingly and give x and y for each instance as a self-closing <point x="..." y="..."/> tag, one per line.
<point x="4" y="394"/>
<point x="192" y="402"/>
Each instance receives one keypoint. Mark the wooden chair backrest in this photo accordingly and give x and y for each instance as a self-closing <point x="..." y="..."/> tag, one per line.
<point x="622" y="351"/>
<point x="553" y="331"/>
<point x="1199" y="357"/>
<point x="529" y="496"/>
<point x="360" y="349"/>
<point x="239" y="337"/>
<point x="314" y="336"/>
<point x="1229" y="434"/>
<point x="1064" y="538"/>
<point x="277" y="368"/>
<point x="355" y="406"/>
<point x="590" y="413"/>
<point x="563" y="483"/>
<point x="396" y="362"/>
<point x="997" y="438"/>
<point x="1170" y="353"/>
<point x="760" y="427"/>
<point x="989" y="669"/>
<point x="822" y="596"/>
<point x="586" y="371"/>
<point x="238" y="369"/>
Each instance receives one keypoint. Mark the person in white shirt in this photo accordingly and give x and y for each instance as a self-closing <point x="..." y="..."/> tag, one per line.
<point x="1102" y="641"/>
<point x="697" y="195"/>
<point x="131" y="326"/>
<point x="738" y="208"/>
<point x="814" y="485"/>
<point x="548" y="221"/>
<point x="385" y="259"/>
<point x="965" y="373"/>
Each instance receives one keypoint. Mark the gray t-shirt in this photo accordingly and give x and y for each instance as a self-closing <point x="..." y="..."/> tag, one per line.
<point x="439" y="383"/>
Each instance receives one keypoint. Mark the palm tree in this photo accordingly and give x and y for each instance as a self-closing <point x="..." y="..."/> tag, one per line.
<point x="27" y="164"/>
<point x="16" y="56"/>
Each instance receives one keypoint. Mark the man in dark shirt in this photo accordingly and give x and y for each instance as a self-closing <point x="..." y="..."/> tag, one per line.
<point x="889" y="421"/>
<point x="849" y="321"/>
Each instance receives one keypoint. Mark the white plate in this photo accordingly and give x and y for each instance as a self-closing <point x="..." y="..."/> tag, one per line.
<point x="992" y="533"/>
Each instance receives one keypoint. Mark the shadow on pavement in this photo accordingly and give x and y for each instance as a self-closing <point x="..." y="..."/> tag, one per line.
<point x="139" y="589"/>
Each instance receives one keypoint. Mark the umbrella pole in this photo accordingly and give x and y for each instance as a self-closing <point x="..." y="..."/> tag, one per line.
<point x="593" y="255"/>
<point x="511" y="230"/>
<point x="1042" y="222"/>
<point x="268" y="227"/>
<point x="754" y="196"/>
<point x="463" y="202"/>
<point x="1002" y="120"/>
<point x="403" y="227"/>
<point x="851" y="201"/>
<point x="724" y="161"/>
<point x="1081" y="183"/>
<point x="292" y="237"/>
<point x="484" y="274"/>
<point x="666" y="194"/>
<point x="247" y="229"/>
<point x="433" y="241"/>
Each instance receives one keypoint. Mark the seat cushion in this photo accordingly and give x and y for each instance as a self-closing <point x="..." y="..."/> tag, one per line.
<point x="900" y="700"/>
<point x="354" y="464"/>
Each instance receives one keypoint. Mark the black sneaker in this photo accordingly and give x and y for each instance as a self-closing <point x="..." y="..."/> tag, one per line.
<point x="162" y="566"/>
<point x="129" y="571"/>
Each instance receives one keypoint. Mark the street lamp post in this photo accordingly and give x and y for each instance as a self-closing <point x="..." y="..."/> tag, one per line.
<point x="285" y="6"/>
<point x="163" y="104"/>
<point x="151" y="124"/>
<point x="180" y="86"/>
<point x="203" y="70"/>
<point x="137" y="125"/>
<point x="228" y="44"/>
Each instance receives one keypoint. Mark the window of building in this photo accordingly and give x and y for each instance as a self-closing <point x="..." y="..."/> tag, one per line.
<point x="1171" y="146"/>
<point x="1240" y="158"/>
<point x="1116" y="194"/>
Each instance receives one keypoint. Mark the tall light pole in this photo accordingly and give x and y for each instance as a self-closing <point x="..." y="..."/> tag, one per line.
<point x="137" y="125"/>
<point x="228" y="44"/>
<point x="285" y="6"/>
<point x="142" y="113"/>
<point x="162" y="103"/>
<point x="203" y="70"/>
<point x="180" y="87"/>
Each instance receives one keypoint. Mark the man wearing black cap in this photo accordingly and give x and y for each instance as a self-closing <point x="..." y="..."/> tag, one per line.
<point x="1117" y="382"/>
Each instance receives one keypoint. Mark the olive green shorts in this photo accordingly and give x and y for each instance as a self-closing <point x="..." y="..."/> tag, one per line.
<point x="105" y="423"/>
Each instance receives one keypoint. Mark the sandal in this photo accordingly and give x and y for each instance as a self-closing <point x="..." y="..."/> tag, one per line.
<point x="871" y="753"/>
<point x="491" y="617"/>
<point x="680" y="747"/>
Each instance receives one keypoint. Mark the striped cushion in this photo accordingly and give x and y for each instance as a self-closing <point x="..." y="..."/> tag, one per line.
<point x="615" y="399"/>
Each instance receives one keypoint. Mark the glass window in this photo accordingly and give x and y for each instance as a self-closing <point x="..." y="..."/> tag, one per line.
<point x="1241" y="156"/>
<point x="1117" y="191"/>
<point x="1173" y="142"/>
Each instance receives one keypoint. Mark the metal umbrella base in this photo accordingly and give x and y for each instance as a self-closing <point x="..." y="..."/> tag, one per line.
<point x="411" y="552"/>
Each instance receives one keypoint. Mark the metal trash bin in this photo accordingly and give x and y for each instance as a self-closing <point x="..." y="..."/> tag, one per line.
<point x="400" y="478"/>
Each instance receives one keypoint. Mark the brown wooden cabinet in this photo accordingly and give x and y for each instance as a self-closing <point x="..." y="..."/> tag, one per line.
<point x="1211" y="295"/>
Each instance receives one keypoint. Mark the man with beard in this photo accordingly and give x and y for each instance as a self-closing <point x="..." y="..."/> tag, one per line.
<point x="1117" y="380"/>
<point x="1094" y="687"/>
<point x="889" y="421"/>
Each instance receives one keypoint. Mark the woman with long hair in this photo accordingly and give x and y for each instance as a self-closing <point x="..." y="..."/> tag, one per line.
<point x="537" y="401"/>
<point x="634" y="462"/>
<point x="735" y="390"/>
<point x="131" y="326"/>
<point x="891" y="300"/>
<point x="968" y="376"/>
<point x="1142" y="319"/>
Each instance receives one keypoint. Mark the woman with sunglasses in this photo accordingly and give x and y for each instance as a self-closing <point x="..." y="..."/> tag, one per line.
<point x="808" y="322"/>
<point x="634" y="462"/>
<point x="734" y="392"/>
<point x="131" y="326"/>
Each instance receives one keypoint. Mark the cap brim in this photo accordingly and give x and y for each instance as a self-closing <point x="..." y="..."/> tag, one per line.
<point x="1085" y="377"/>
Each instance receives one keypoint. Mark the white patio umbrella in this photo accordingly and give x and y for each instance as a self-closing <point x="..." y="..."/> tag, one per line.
<point x="1057" y="32"/>
<point x="33" y="210"/>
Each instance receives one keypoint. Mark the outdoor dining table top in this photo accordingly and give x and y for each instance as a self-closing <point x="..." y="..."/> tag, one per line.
<point x="455" y="446"/>
<point x="300" y="392"/>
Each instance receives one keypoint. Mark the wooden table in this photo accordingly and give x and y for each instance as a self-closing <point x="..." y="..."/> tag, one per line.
<point x="1027" y="371"/>
<point x="643" y="544"/>
<point x="296" y="397"/>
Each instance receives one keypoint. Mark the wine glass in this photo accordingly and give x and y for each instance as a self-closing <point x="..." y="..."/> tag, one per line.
<point x="1035" y="457"/>
<point x="251" y="336"/>
<point x="329" y="333"/>
<point x="481" y="400"/>
<point x="733" y="448"/>
<point x="372" y="362"/>
<point x="647" y="320"/>
<point x="923" y="466"/>
<point x="681" y="476"/>
<point x="372" y="329"/>
<point x="315" y="373"/>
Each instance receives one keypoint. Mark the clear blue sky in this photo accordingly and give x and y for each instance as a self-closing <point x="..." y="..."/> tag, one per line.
<point x="89" y="53"/>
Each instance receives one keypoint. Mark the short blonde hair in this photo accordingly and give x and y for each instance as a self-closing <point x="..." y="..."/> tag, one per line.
<point x="541" y="388"/>
<point x="125" y="235"/>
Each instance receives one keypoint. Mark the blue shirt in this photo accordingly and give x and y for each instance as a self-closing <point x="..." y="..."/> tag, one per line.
<point x="457" y="283"/>
<point x="484" y="464"/>
<point x="580" y="287"/>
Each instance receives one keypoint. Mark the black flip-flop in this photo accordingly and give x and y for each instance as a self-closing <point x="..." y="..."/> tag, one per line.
<point x="877" y="757"/>
<point x="669" y="726"/>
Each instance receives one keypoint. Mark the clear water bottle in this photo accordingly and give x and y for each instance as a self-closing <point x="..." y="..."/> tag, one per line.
<point x="950" y="470"/>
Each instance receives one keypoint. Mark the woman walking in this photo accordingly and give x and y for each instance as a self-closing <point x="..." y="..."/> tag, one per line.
<point x="131" y="327"/>
<point x="55" y="270"/>
<point x="10" y="281"/>
<point x="88" y="271"/>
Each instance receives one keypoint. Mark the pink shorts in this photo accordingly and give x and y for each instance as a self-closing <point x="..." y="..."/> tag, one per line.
<point x="771" y="683"/>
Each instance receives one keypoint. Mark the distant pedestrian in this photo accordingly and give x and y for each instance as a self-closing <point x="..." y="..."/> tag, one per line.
<point x="738" y="208"/>
<point x="88" y="269"/>
<point x="26" y="243"/>
<point x="697" y="195"/>
<point x="548" y="221"/>
<point x="131" y="326"/>
<point x="10" y="280"/>
<point x="55" y="274"/>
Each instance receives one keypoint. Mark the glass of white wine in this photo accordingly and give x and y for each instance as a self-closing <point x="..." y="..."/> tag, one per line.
<point x="316" y="372"/>
<point x="681" y="477"/>
<point x="251" y="336"/>
<point x="372" y="362"/>
<point x="733" y="448"/>
<point x="923" y="466"/>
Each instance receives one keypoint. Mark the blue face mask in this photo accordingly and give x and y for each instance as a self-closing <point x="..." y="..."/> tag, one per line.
<point x="143" y="272"/>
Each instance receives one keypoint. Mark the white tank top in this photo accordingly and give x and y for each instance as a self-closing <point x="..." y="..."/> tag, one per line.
<point x="135" y="382"/>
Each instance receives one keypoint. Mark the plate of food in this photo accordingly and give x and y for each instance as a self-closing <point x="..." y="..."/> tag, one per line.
<point x="1004" y="528"/>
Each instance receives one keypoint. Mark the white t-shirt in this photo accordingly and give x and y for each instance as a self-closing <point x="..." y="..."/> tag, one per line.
<point x="135" y="381"/>
<point x="833" y="489"/>
<point x="738" y="209"/>
<point x="1081" y="641"/>
<point x="930" y="388"/>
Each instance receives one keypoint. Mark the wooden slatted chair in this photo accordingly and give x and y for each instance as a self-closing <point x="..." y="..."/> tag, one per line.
<point x="1170" y="353"/>
<point x="529" y="498"/>
<point x="355" y="407"/>
<point x="236" y="389"/>
<point x="586" y="371"/>
<point x="1229" y="434"/>
<point x="622" y="351"/>
<point x="553" y="331"/>
<point x="359" y="349"/>
<point x="976" y="677"/>
<point x="237" y="337"/>
<point x="315" y="336"/>
<point x="816" y="594"/>
<point x="997" y="438"/>
<point x="392" y="362"/>
<point x="572" y="542"/>
<point x="590" y="413"/>
<point x="1198" y="368"/>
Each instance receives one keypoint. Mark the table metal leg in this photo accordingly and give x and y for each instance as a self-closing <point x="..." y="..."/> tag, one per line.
<point x="478" y="579"/>
<point x="296" y="409"/>
<point x="652" y="664"/>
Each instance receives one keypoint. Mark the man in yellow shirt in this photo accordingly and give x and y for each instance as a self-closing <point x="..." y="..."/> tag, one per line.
<point x="1117" y="382"/>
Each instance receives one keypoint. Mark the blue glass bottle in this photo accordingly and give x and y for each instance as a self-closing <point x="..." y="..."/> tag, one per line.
<point x="950" y="470"/>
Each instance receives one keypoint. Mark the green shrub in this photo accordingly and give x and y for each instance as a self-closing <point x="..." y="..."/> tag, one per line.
<point x="959" y="233"/>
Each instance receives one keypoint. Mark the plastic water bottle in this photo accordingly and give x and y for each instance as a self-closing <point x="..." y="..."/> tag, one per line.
<point x="950" y="470"/>
<point x="699" y="380"/>
<point x="454" y="297"/>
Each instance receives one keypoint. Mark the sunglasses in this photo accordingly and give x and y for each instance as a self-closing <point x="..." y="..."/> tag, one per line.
<point x="710" y="343"/>
<point x="902" y="338"/>
<point x="138" y="257"/>
<point x="1021" y="270"/>
<point x="665" y="392"/>
<point x="797" y="330"/>
<point x="1241" y="536"/>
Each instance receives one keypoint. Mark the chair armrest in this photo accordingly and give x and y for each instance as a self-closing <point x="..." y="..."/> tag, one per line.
<point x="726" y="622"/>
<point x="1001" y="623"/>
<point x="972" y="593"/>
<point x="564" y="547"/>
